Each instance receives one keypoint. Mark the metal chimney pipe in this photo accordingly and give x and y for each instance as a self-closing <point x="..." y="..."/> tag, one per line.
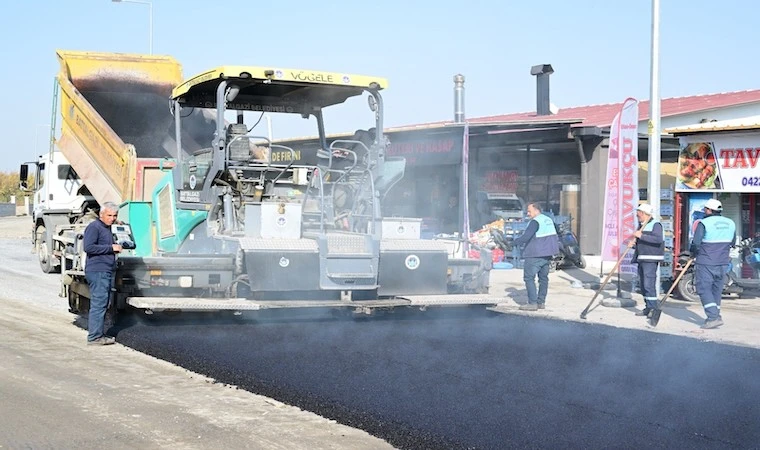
<point x="459" y="98"/>
<point x="542" y="72"/>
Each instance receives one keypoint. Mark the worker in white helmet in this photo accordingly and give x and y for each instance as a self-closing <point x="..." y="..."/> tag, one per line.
<point x="710" y="246"/>
<point x="650" y="251"/>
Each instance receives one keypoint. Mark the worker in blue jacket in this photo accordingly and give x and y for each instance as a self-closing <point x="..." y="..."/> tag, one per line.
<point x="100" y="271"/>
<point x="541" y="244"/>
<point x="649" y="253"/>
<point x="713" y="239"/>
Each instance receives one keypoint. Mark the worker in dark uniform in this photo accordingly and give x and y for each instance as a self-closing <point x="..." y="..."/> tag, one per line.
<point x="650" y="251"/>
<point x="713" y="239"/>
<point x="100" y="270"/>
<point x="541" y="244"/>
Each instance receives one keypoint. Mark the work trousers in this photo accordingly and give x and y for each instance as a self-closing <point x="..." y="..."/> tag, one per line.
<point x="648" y="282"/>
<point x="532" y="267"/>
<point x="100" y="293"/>
<point x="709" y="279"/>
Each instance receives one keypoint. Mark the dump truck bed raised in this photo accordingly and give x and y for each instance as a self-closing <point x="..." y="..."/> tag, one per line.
<point x="117" y="128"/>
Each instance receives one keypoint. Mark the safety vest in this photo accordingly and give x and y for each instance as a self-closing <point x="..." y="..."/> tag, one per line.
<point x="720" y="233"/>
<point x="647" y="251"/>
<point x="545" y="242"/>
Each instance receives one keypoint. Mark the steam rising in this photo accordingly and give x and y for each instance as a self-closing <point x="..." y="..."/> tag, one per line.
<point x="141" y="115"/>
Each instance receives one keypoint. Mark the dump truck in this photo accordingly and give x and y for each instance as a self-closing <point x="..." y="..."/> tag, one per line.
<point x="217" y="218"/>
<point x="114" y="123"/>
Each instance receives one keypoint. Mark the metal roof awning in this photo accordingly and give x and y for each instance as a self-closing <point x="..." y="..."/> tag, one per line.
<point x="740" y="124"/>
<point x="476" y="128"/>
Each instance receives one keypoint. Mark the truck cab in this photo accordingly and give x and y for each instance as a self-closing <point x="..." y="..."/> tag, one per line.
<point x="59" y="197"/>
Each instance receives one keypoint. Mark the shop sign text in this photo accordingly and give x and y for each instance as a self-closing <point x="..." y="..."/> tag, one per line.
<point x="719" y="163"/>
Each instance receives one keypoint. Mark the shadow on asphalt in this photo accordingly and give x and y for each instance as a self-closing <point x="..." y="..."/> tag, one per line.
<point x="519" y="296"/>
<point x="574" y="273"/>
<point x="681" y="312"/>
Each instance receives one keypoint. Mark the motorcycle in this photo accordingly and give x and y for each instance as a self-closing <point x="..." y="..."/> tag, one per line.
<point x="569" y="249"/>
<point x="733" y="284"/>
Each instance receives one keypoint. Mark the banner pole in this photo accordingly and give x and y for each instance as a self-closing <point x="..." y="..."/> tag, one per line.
<point x="620" y="148"/>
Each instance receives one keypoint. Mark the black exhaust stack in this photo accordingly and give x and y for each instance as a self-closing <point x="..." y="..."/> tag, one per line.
<point x="542" y="72"/>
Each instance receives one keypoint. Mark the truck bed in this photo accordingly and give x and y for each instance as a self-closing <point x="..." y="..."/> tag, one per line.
<point x="116" y="119"/>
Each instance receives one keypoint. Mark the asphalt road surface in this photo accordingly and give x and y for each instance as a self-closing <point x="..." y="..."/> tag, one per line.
<point x="482" y="380"/>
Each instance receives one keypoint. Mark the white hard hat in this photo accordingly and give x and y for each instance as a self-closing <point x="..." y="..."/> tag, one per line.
<point x="646" y="208"/>
<point x="714" y="204"/>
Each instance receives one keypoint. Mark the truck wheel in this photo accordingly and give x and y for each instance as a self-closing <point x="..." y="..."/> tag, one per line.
<point x="44" y="252"/>
<point x="73" y="302"/>
<point x="686" y="288"/>
<point x="78" y="304"/>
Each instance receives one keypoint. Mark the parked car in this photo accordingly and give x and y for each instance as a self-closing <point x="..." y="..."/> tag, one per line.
<point x="492" y="206"/>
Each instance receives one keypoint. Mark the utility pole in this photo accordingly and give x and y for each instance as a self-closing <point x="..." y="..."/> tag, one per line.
<point x="654" y="126"/>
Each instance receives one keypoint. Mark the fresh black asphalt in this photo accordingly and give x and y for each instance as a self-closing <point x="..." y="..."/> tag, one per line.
<point x="440" y="379"/>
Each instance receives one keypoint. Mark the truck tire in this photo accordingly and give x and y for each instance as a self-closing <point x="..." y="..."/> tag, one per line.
<point x="44" y="252"/>
<point x="686" y="288"/>
<point x="75" y="306"/>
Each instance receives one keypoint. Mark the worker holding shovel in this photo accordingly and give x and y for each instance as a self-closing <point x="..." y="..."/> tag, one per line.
<point x="631" y="243"/>
<point x="712" y="242"/>
<point x="650" y="251"/>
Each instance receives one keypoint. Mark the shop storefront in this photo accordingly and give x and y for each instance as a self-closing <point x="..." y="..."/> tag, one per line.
<point x="529" y="165"/>
<point x="542" y="173"/>
<point x="431" y="187"/>
<point x="504" y="171"/>
<point x="719" y="162"/>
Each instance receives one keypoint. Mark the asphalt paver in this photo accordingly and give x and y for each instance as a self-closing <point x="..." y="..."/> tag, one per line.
<point x="444" y="379"/>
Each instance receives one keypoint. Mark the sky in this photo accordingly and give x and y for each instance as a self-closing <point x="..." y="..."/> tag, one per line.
<point x="600" y="51"/>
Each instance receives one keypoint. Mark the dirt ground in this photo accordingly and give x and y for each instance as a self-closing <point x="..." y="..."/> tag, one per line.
<point x="14" y="227"/>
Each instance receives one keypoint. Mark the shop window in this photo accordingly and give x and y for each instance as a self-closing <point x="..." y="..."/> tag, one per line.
<point x="41" y="175"/>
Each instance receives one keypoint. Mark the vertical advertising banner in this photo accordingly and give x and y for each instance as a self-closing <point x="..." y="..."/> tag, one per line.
<point x="622" y="188"/>
<point x="610" y="221"/>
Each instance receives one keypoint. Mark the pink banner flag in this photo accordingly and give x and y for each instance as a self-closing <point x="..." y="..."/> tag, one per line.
<point x="622" y="184"/>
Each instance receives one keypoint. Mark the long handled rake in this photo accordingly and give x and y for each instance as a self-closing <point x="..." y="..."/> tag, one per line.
<point x="604" y="283"/>
<point x="654" y="318"/>
<point x="606" y="280"/>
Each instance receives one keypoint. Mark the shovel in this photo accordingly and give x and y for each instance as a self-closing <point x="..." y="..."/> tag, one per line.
<point x="654" y="318"/>
<point x="604" y="283"/>
<point x="606" y="280"/>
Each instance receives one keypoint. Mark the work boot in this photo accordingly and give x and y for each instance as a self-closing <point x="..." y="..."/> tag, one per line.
<point x="542" y="306"/>
<point x="529" y="307"/>
<point x="644" y="312"/>
<point x="714" y="323"/>
<point x="102" y="340"/>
